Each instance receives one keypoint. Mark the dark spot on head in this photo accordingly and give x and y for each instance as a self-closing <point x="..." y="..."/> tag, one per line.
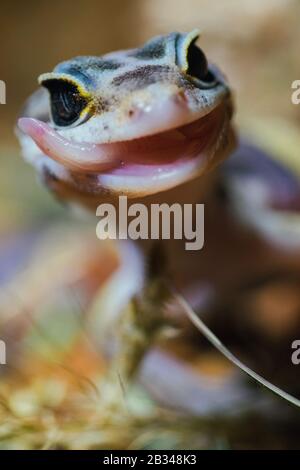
<point x="80" y="67"/>
<point x="141" y="76"/>
<point x="102" y="64"/>
<point x="152" y="50"/>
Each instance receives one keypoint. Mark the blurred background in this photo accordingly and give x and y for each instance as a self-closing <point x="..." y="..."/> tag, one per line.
<point x="48" y="270"/>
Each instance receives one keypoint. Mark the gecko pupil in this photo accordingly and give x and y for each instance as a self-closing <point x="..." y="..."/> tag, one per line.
<point x="66" y="102"/>
<point x="197" y="64"/>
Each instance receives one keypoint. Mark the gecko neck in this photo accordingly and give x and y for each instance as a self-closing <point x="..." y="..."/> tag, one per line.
<point x="198" y="191"/>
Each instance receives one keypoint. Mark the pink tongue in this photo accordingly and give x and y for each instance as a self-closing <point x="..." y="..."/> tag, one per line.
<point x="73" y="155"/>
<point x="157" y="149"/>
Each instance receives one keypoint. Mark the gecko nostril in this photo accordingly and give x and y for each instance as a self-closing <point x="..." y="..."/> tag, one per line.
<point x="181" y="98"/>
<point x="135" y="112"/>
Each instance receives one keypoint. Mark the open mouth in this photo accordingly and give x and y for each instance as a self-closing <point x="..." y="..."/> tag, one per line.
<point x="143" y="165"/>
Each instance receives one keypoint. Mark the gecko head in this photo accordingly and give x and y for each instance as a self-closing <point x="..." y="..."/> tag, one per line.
<point x="133" y="122"/>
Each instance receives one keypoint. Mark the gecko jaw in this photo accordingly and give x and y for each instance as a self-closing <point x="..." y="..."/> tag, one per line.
<point x="139" y="166"/>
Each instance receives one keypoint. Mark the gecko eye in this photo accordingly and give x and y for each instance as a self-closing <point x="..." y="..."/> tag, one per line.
<point x="197" y="64"/>
<point x="67" y="104"/>
<point x="192" y="60"/>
